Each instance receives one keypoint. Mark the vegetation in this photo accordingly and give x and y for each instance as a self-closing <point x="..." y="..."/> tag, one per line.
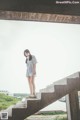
<point x="6" y="101"/>
<point x="51" y="112"/>
<point x="60" y="118"/>
<point x="53" y="115"/>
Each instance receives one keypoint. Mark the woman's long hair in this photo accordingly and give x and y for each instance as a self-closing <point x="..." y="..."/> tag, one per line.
<point x="30" y="56"/>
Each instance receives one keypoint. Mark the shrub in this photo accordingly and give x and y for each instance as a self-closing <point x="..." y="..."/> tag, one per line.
<point x="6" y="101"/>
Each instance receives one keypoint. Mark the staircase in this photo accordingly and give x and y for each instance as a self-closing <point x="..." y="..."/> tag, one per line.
<point x="46" y="96"/>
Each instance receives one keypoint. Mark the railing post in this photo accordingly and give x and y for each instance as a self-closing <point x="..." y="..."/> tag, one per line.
<point x="72" y="104"/>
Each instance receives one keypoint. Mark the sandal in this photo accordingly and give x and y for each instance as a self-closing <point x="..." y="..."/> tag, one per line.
<point x="32" y="96"/>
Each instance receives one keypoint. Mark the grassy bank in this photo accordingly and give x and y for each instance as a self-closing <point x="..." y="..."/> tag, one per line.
<point x="47" y="117"/>
<point x="6" y="101"/>
<point x="52" y="112"/>
<point x="60" y="117"/>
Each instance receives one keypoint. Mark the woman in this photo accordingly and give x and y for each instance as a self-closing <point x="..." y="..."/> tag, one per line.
<point x="31" y="71"/>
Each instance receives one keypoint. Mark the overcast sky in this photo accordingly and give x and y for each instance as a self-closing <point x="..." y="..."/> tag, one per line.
<point x="55" y="45"/>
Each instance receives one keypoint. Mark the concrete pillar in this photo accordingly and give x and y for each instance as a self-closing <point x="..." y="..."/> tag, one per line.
<point x="72" y="104"/>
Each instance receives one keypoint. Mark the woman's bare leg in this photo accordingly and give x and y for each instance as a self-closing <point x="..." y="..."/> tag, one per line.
<point x="33" y="84"/>
<point x="30" y="85"/>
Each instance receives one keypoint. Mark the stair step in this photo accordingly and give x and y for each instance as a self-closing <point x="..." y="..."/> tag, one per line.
<point x="21" y="104"/>
<point x="47" y="98"/>
<point x="61" y="90"/>
<point x="19" y="113"/>
<point x="61" y="82"/>
<point x="48" y="89"/>
<point x="73" y="83"/>
<point x="32" y="107"/>
<point x="75" y="75"/>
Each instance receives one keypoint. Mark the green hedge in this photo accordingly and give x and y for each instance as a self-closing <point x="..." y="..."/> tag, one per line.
<point x="6" y="101"/>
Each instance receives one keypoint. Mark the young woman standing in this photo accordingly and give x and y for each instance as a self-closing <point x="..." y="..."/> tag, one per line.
<point x="31" y="71"/>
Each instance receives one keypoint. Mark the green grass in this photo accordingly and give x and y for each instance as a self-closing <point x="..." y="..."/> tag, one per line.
<point x="6" y="101"/>
<point x="51" y="112"/>
<point x="48" y="117"/>
<point x="61" y="118"/>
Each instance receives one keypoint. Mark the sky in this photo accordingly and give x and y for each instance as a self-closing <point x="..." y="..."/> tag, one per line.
<point x="55" y="45"/>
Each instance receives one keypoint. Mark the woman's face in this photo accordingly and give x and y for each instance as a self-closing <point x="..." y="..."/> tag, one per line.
<point x="27" y="54"/>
